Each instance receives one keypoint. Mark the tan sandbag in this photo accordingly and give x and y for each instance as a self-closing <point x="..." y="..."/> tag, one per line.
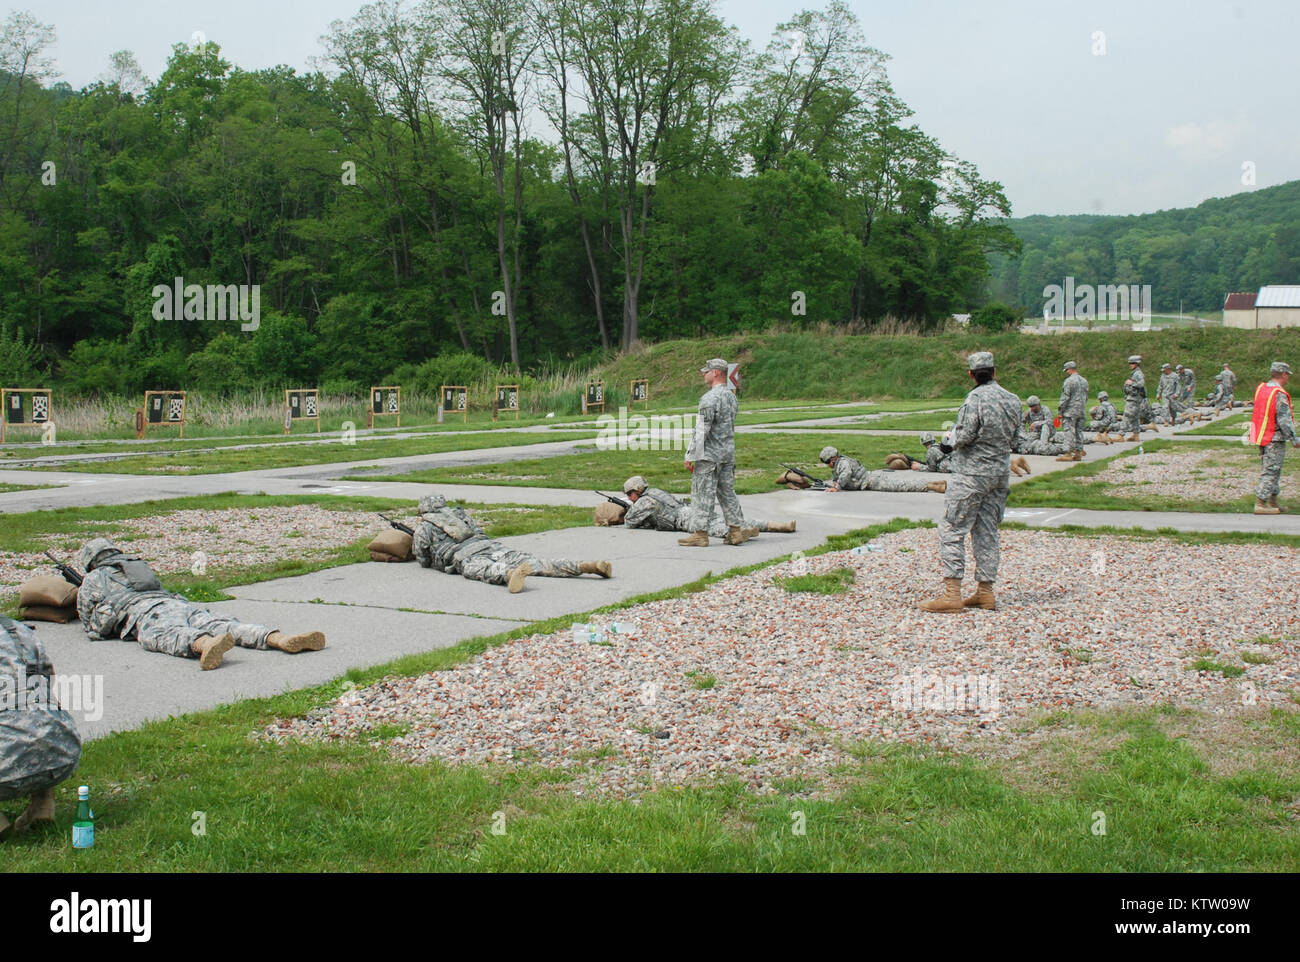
<point x="792" y="479"/>
<point x="608" y="513"/>
<point x="388" y="558"/>
<point x="48" y="591"/>
<point x="393" y="544"/>
<point x="47" y="613"/>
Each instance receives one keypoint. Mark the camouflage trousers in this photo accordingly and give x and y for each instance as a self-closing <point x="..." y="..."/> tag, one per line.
<point x="172" y="626"/>
<point x="714" y="482"/>
<point x="493" y="565"/>
<point x="717" y="525"/>
<point x="1070" y="434"/>
<point x="1173" y="407"/>
<point x="894" y="481"/>
<point x="1223" y="402"/>
<point x="1271" y="457"/>
<point x="1105" y="427"/>
<point x="1134" y="409"/>
<point x="974" y="505"/>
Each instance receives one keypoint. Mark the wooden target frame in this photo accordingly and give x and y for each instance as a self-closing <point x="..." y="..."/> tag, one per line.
<point x="594" y="395"/>
<point x="32" y="415"/>
<point x="166" y="416"/>
<point x="450" y="393"/>
<point x="641" y="396"/>
<point x="298" y="402"/>
<point x="384" y="401"/>
<point x="510" y="392"/>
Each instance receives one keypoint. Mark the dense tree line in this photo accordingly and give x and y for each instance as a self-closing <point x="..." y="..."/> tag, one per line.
<point x="520" y="181"/>
<point x="1193" y="256"/>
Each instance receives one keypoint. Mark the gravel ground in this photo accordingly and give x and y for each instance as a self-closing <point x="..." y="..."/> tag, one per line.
<point x="229" y="537"/>
<point x="1193" y="475"/>
<point x="797" y="679"/>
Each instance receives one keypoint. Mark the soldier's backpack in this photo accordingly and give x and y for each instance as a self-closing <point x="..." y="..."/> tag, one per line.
<point x="39" y="742"/>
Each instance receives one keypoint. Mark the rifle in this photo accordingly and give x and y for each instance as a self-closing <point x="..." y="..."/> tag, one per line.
<point x="397" y="524"/>
<point x="817" y="483"/>
<point x="69" y="573"/>
<point x="625" y="505"/>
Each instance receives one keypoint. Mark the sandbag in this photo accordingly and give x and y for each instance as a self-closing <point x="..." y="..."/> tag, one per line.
<point x="47" y="613"/>
<point x="390" y="545"/>
<point x="792" y="479"/>
<point x="608" y="513"/>
<point x="48" y="590"/>
<point x="39" y="743"/>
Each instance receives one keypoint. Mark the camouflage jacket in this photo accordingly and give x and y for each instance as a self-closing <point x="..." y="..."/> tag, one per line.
<point x="1229" y="381"/>
<point x="1035" y="419"/>
<point x="936" y="460"/>
<point x="654" y="509"/>
<point x="1105" y="413"/>
<point x="1189" y="384"/>
<point x="109" y="605"/>
<point x="848" y="473"/>
<point x="1074" y="397"/>
<point x="1168" y="387"/>
<point x="1135" y="388"/>
<point x="441" y="534"/>
<point x="715" y="427"/>
<point x="986" y="427"/>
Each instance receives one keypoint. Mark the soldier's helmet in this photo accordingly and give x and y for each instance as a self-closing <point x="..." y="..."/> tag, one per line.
<point x="1103" y="396"/>
<point x="94" y="551"/>
<point x="1135" y="358"/>
<point x="1218" y="377"/>
<point x="927" y="439"/>
<point x="828" y="452"/>
<point x="1033" y="401"/>
<point x="432" y="502"/>
<point x="1166" y="367"/>
<point x="635" y="483"/>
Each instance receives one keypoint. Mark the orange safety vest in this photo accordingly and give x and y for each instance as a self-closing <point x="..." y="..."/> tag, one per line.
<point x="1263" y="422"/>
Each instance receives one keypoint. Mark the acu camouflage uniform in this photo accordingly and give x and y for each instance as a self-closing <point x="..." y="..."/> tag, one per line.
<point x="713" y="452"/>
<point x="1038" y="424"/>
<point x="1169" y="393"/>
<point x="976" y="498"/>
<point x="121" y="597"/>
<point x="1188" y="384"/>
<point x="936" y="459"/>
<point x="1229" y="388"/>
<point x="1074" y="410"/>
<point x="849" y="475"/>
<point x="450" y="540"/>
<point x="657" y="509"/>
<point x="1272" y="455"/>
<point x="1105" y="417"/>
<point x="1135" y="401"/>
<point x="1025" y="443"/>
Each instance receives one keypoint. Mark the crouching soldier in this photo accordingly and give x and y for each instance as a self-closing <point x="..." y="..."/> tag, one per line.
<point x="657" y="509"/>
<point x="848" y="474"/>
<point x="450" y="540"/>
<point x="121" y="597"/>
<point x="1105" y="419"/>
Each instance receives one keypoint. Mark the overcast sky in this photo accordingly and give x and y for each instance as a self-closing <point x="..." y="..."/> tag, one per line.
<point x="1184" y="94"/>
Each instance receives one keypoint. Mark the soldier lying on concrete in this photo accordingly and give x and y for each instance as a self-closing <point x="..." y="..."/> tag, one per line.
<point x="121" y="597"/>
<point x="450" y="540"/>
<point x="936" y="459"/>
<point x="848" y="474"/>
<point x="656" y="508"/>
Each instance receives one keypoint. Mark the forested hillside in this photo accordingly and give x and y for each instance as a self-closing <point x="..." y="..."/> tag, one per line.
<point x="1193" y="255"/>
<point x="522" y="181"/>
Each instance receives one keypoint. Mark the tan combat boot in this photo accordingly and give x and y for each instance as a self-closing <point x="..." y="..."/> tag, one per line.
<point x="39" y="813"/>
<point x="949" y="600"/>
<point x="983" y="597"/>
<point x="738" y="535"/>
<point x="698" y="540"/>
<point x="1264" y="508"/>
<point x="210" y="650"/>
<point x="515" y="580"/>
<point x="1272" y="503"/>
<point x="939" y="487"/>
<point x="292" y="644"/>
<point x="1066" y="457"/>
<point x="1132" y="437"/>
<point x="1078" y="455"/>
<point x="1022" y="464"/>
<point x="781" y="527"/>
<point x="602" y="568"/>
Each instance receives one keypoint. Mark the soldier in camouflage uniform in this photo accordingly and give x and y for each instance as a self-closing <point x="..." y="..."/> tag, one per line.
<point x="1135" y="399"/>
<point x="1104" y="418"/>
<point x="1188" y="383"/>
<point x="1025" y="443"/>
<point x="656" y="508"/>
<point x="1272" y="426"/>
<point x="1038" y="420"/>
<point x="1169" y="394"/>
<point x="121" y="597"/>
<point x="848" y="474"/>
<point x="1073" y="408"/>
<point x="977" y="492"/>
<point x="936" y="458"/>
<point x="711" y="459"/>
<point x="450" y="540"/>
<point x="1216" y="397"/>
<point x="1229" y="385"/>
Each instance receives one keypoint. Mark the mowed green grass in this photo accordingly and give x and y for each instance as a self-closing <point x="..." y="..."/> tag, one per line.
<point x="6" y="488"/>
<point x="267" y="456"/>
<point x="1079" y="488"/>
<point x="349" y="806"/>
<point x="758" y="462"/>
<point x="1231" y="426"/>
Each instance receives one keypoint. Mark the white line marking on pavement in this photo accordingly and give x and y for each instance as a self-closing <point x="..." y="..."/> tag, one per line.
<point x="1056" y="516"/>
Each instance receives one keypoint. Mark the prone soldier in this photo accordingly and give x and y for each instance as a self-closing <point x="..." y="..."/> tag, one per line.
<point x="848" y="474"/>
<point x="656" y="508"/>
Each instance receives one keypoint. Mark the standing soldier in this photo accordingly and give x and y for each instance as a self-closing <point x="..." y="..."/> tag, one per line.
<point x="977" y="492"/>
<point x="1229" y="383"/>
<point x="1188" y="380"/>
<point x="1135" y="398"/>
<point x="1073" y="410"/>
<point x="1168" y="393"/>
<point x="711" y="459"/>
<point x="1271" y="426"/>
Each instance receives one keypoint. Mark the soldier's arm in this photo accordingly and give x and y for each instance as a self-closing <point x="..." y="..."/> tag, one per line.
<point x="641" y="514"/>
<point x="1285" y="422"/>
<point x="967" y="427"/>
<point x="703" y="425"/>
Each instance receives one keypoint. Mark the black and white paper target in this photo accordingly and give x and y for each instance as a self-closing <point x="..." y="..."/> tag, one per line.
<point x="177" y="409"/>
<point x="392" y="401"/>
<point x="310" y="405"/>
<point x="40" y="407"/>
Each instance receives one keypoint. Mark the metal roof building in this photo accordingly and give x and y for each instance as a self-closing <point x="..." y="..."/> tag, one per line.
<point x="1276" y="305"/>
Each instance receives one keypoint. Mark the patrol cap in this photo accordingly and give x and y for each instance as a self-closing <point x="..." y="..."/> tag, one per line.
<point x="432" y="502"/>
<point x="1135" y="358"/>
<point x="1070" y="366"/>
<point x="927" y="438"/>
<point x="1166" y="367"/>
<point x="980" y="361"/>
<point x="93" y="549"/>
<point x="1103" y="396"/>
<point x="635" y="483"/>
<point x="1179" y="367"/>
<point x="1218" y="377"/>
<point x="1033" y="401"/>
<point x="716" y="364"/>
<point x="1279" y="367"/>
<point x="828" y="452"/>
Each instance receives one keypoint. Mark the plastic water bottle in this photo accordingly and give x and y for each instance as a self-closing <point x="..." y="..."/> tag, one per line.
<point x="623" y="628"/>
<point x="862" y="549"/>
<point x="83" y="829"/>
<point x="591" y="634"/>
